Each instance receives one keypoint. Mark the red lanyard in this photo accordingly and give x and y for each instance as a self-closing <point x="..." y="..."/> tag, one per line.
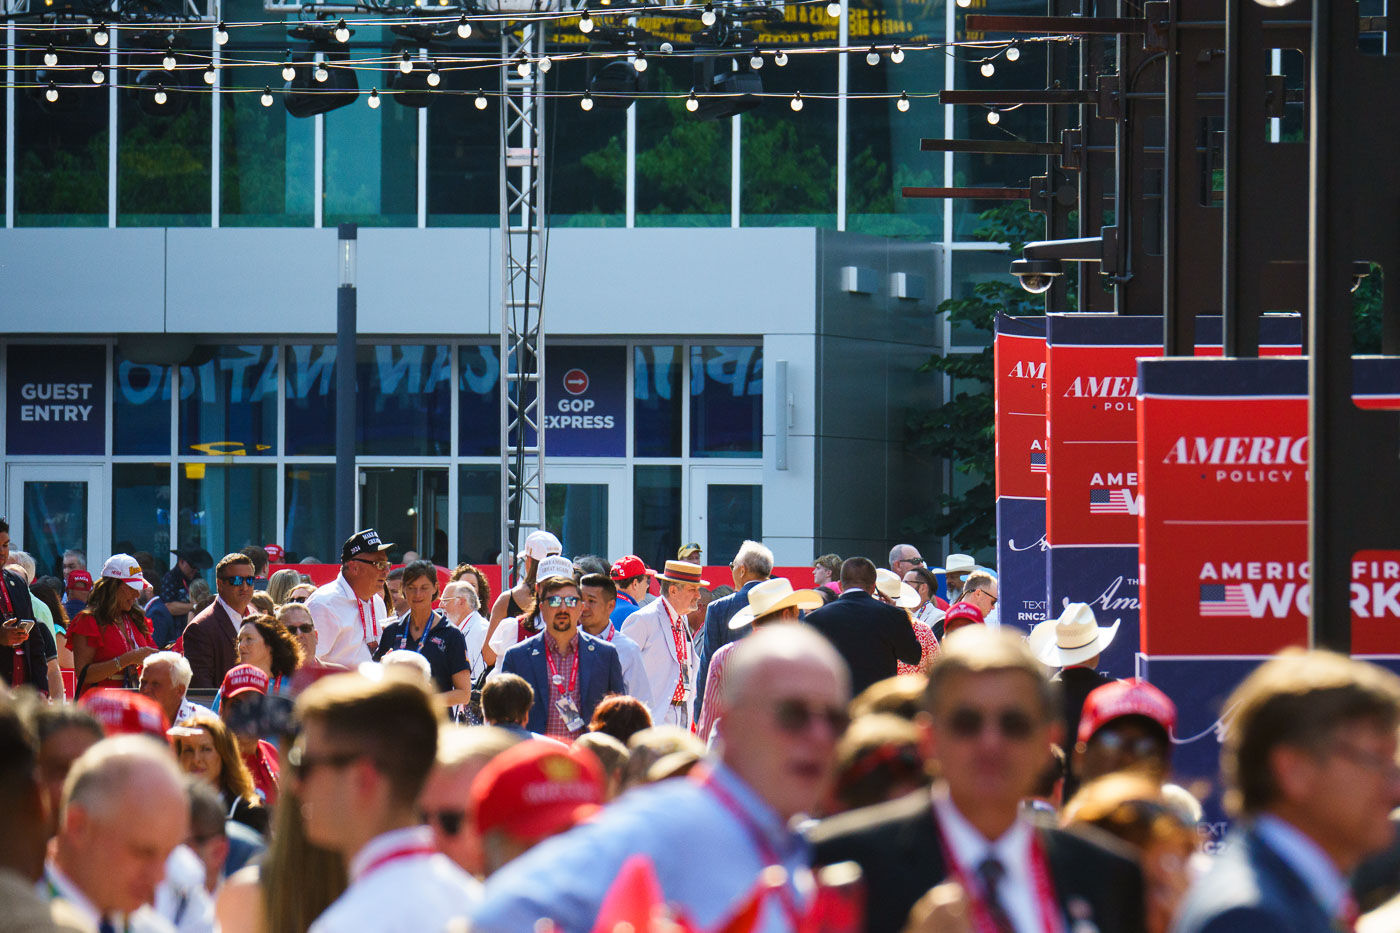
<point x="1046" y="904"/>
<point x="554" y="677"/>
<point x="393" y="855"/>
<point x="364" y="629"/>
<point x="5" y="595"/>
<point x="766" y="853"/>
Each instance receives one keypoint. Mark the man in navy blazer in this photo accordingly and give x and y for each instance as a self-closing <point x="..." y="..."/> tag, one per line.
<point x="1309" y="760"/>
<point x="751" y="566"/>
<point x="569" y="670"/>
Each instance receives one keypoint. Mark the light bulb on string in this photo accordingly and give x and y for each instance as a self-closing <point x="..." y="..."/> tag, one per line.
<point x="667" y="48"/>
<point x="756" y="60"/>
<point x="833" y="9"/>
<point x="641" y="63"/>
<point x="988" y="69"/>
<point x="209" y="75"/>
<point x="480" y="101"/>
<point x="434" y="79"/>
<point x="51" y="94"/>
<point x="896" y="55"/>
<point x="691" y="103"/>
<point x="780" y="59"/>
<point x="523" y="68"/>
<point x="964" y="3"/>
<point x="321" y="74"/>
<point x="903" y="103"/>
<point x="585" y="23"/>
<point x="406" y="63"/>
<point x="221" y="34"/>
<point x="464" y="28"/>
<point x="101" y="35"/>
<point x="50" y="58"/>
<point x="160" y="95"/>
<point x="98" y="75"/>
<point x="708" y="17"/>
<point x="266" y="98"/>
<point x="342" y="32"/>
<point x="873" y="56"/>
<point x="587" y="102"/>
<point x="289" y="72"/>
<point x="373" y="99"/>
<point x="796" y="102"/>
<point x="1013" y="53"/>
<point x="168" y="61"/>
<point x="993" y="117"/>
<point x="546" y="63"/>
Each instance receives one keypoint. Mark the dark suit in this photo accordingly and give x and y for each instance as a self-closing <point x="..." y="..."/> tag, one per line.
<point x="599" y="674"/>
<point x="900" y="851"/>
<point x="210" y="641"/>
<point x="718" y="634"/>
<point x="870" y="635"/>
<point x="31" y="650"/>
<point x="1076" y="683"/>
<point x="1250" y="888"/>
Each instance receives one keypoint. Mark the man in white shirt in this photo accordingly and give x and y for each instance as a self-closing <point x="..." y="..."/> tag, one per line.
<point x="349" y="611"/>
<point x="661" y="632"/>
<point x="599" y="599"/>
<point x="463" y="607"/>
<point x="365" y="752"/>
<point x="124" y="810"/>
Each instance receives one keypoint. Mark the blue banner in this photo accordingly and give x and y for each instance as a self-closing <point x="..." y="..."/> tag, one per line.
<point x="1105" y="577"/>
<point x="1021" y="562"/>
<point x="585" y="410"/>
<point x="56" y="398"/>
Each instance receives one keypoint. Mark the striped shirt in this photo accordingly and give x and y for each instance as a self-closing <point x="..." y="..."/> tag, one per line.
<point x="713" y="685"/>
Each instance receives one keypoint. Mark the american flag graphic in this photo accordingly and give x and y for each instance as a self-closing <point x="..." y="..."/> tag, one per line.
<point x="1037" y="461"/>
<point x="1223" y="599"/>
<point x="1110" y="502"/>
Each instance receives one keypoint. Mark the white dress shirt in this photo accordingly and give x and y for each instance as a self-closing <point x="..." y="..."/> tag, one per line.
<point x="399" y="883"/>
<point x="55" y="885"/>
<point x="336" y="611"/>
<point x="1016" y="891"/>
<point x="229" y="611"/>
<point x="473" y="629"/>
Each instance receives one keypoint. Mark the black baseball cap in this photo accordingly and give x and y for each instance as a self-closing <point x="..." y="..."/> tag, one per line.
<point x="363" y="542"/>
<point x="197" y="557"/>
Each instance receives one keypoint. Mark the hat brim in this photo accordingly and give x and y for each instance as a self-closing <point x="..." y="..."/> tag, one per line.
<point x="136" y="583"/>
<point x="242" y="690"/>
<point x="1052" y="655"/>
<point x="803" y="599"/>
<point x="662" y="576"/>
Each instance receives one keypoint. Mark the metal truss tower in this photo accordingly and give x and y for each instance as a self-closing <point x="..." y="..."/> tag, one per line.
<point x="523" y="245"/>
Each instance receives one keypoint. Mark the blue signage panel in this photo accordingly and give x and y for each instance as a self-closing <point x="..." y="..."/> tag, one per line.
<point x="56" y="399"/>
<point x="585" y="411"/>
<point x="1021" y="562"/>
<point x="1107" y="579"/>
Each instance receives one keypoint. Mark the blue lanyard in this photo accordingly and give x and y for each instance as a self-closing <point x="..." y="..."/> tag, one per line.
<point x="427" y="630"/>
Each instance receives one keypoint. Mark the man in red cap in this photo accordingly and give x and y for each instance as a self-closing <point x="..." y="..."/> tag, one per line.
<point x="245" y="685"/>
<point x="960" y="614"/>
<point x="78" y="586"/>
<point x="1125" y="725"/>
<point x="122" y="712"/>
<point x="531" y="792"/>
<point x="633" y="579"/>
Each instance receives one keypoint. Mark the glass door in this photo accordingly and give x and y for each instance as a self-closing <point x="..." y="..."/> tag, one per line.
<point x="408" y="506"/>
<point x="53" y="508"/>
<point x="589" y="509"/>
<point x="726" y="508"/>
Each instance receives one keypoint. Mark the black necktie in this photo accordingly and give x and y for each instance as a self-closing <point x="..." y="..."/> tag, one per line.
<point x="990" y="873"/>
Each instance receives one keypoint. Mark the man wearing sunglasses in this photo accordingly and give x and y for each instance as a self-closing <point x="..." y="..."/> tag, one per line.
<point x="990" y="715"/>
<point x="212" y="635"/>
<point x="349" y="611"/>
<point x="569" y="670"/>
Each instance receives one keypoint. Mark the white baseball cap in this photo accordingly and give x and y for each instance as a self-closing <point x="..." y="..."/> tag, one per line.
<point x="123" y="567"/>
<point x="541" y="544"/>
<point x="554" y="566"/>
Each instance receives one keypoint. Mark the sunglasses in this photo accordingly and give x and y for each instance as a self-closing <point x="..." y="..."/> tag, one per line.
<point x="297" y="599"/>
<point x="302" y="764"/>
<point x="449" y="821"/>
<point x="306" y="628"/>
<point x="376" y="564"/>
<point x="966" y="722"/>
<point x="239" y="581"/>
<point x="1142" y="746"/>
<point x="554" y="602"/>
<point x="796" y="716"/>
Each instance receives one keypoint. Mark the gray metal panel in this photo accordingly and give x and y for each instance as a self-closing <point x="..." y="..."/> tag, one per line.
<point x="252" y="280"/>
<point x="427" y="281"/>
<point x="78" y="281"/>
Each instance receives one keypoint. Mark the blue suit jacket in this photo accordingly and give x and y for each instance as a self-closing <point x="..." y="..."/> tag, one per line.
<point x="1251" y="889"/>
<point x="599" y="674"/>
<point x="718" y="634"/>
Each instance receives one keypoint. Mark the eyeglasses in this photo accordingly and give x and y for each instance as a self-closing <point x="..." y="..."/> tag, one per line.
<point x="554" y="602"/>
<point x="239" y="581"/>
<point x="449" y="821"/>
<point x="297" y="599"/>
<point x="796" y="716"/>
<point x="376" y="564"/>
<point x="966" y="722"/>
<point x="306" y="628"/>
<point x="1140" y="746"/>
<point x="303" y="764"/>
<point x="989" y="595"/>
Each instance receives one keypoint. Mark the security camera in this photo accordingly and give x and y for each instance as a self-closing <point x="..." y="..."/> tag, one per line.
<point x="1037" y="275"/>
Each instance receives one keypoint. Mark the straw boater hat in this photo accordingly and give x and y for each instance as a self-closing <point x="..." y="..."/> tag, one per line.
<point x="771" y="596"/>
<point x="1072" y="638"/>
<point x="683" y="571"/>
<point x="891" y="587"/>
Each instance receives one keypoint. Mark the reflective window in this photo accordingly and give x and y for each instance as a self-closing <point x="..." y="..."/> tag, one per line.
<point x="788" y="159"/>
<point x="683" y="163"/>
<point x="267" y="165"/>
<point x="479" y="401"/>
<point x="479" y="516"/>
<point x="408" y="507"/>
<point x="404" y="406"/>
<point x="656" y="513"/>
<point x="726" y="411"/>
<point x="141" y="510"/>
<point x="734" y="514"/>
<point x="586" y="174"/>
<point x="163" y="149"/>
<point x="310" y="514"/>
<point x="140" y="408"/>
<point x="310" y="390"/>
<point x="228" y="401"/>
<point x="463" y="148"/>
<point x="224" y="508"/>
<point x="656" y="401"/>
<point x="577" y="514"/>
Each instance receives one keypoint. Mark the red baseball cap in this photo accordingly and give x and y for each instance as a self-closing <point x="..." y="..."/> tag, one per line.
<point x="629" y="567"/>
<point x="960" y="614"/>
<point x="275" y="554"/>
<point x="78" y="578"/>
<point x="123" y="712"/>
<point x="242" y="678"/>
<point x="1131" y="697"/>
<point x="537" y="789"/>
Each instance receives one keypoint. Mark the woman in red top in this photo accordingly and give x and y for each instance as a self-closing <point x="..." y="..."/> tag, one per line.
<point x="111" y="637"/>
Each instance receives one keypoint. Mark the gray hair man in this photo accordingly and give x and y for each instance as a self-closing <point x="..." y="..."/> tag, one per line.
<point x="752" y="565"/>
<point x="462" y="604"/>
<point x="903" y="558"/>
<point x="165" y="678"/>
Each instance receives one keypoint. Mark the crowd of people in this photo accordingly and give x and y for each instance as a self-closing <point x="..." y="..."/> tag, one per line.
<point x="607" y="747"/>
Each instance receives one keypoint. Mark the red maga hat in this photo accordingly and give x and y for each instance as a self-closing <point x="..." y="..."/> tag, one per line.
<point x="243" y="678"/>
<point x="123" y="712"/>
<point x="629" y="567"/>
<point x="1132" y="697"/>
<point x="960" y="614"/>
<point x="537" y="789"/>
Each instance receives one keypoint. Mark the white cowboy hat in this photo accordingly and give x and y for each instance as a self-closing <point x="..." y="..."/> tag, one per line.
<point x="771" y="596"/>
<point x="892" y="588"/>
<point x="956" y="563"/>
<point x="1072" y="638"/>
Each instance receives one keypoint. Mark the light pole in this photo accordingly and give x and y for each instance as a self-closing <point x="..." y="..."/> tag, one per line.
<point x="346" y="487"/>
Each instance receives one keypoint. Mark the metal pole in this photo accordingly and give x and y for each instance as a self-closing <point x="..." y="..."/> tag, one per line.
<point x="346" y="487"/>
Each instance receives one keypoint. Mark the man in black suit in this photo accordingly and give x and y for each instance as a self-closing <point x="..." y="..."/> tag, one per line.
<point x="751" y="566"/>
<point x="870" y="635"/>
<point x="990" y="715"/>
<point x="211" y="637"/>
<point x="1309" y="760"/>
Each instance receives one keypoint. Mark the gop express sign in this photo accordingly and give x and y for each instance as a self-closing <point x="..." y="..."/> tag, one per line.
<point x="585" y="410"/>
